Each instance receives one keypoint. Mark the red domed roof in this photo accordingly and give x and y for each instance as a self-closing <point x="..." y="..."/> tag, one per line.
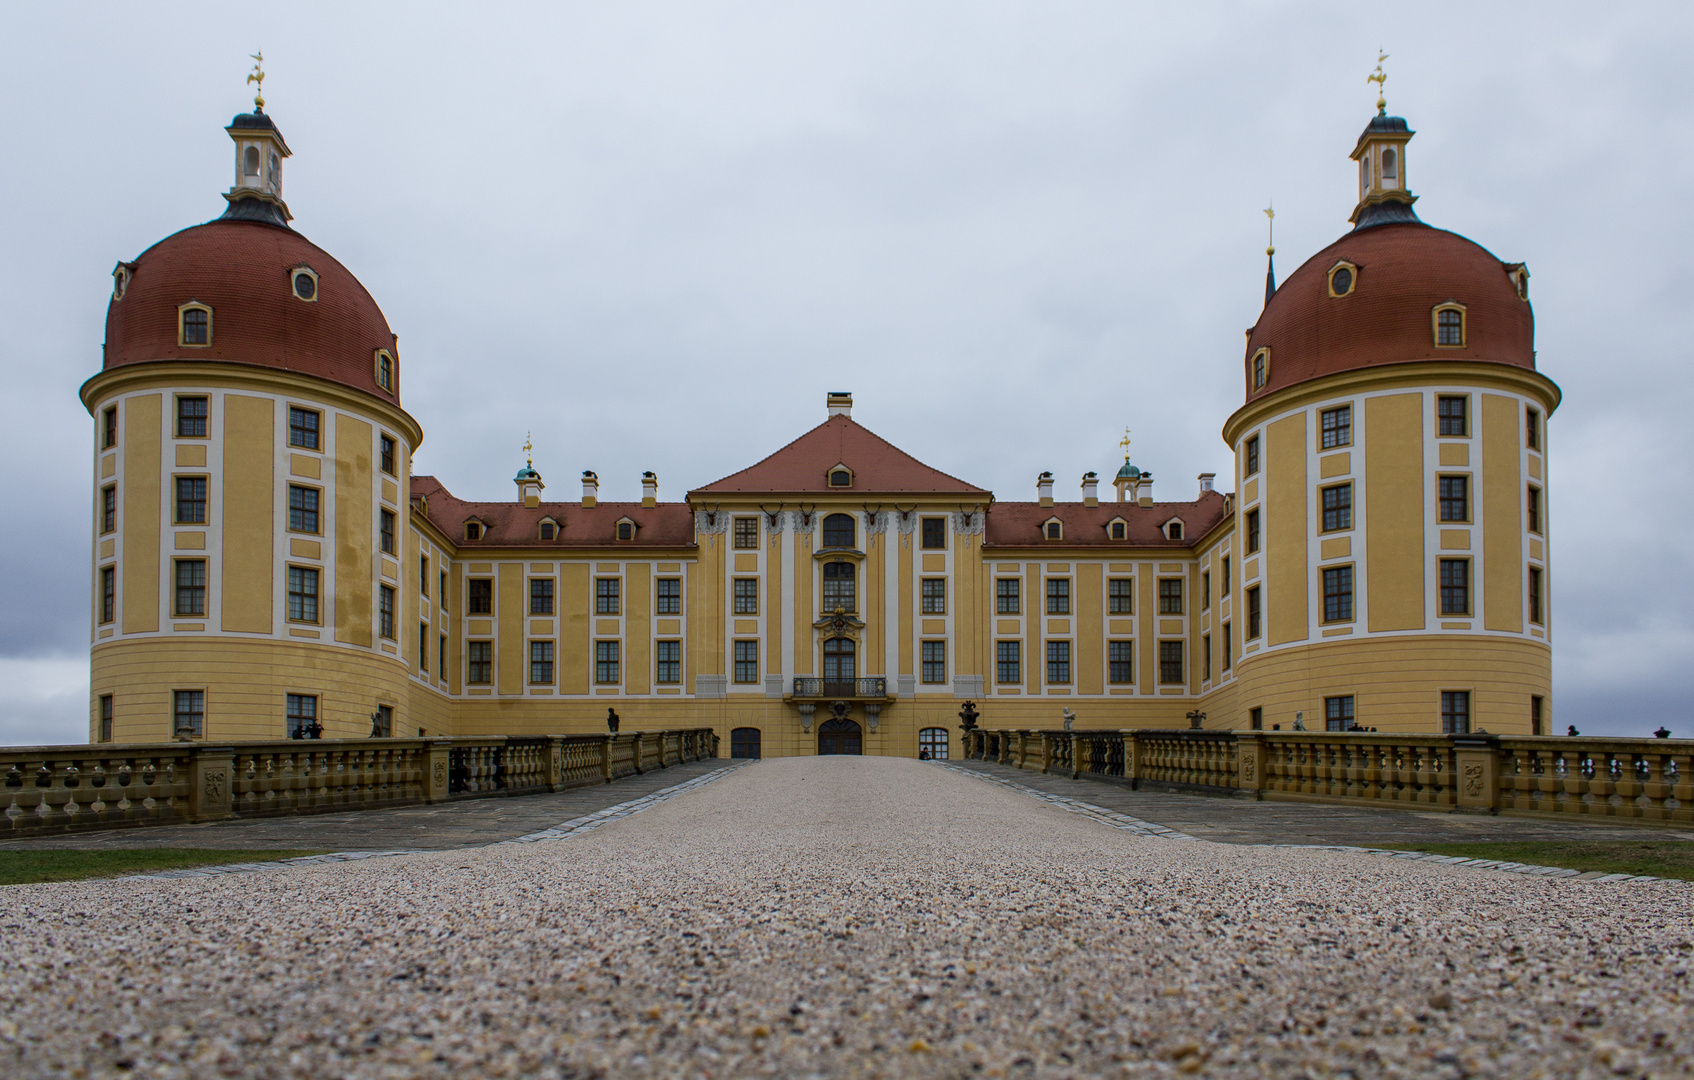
<point x="1404" y="271"/>
<point x="241" y="270"/>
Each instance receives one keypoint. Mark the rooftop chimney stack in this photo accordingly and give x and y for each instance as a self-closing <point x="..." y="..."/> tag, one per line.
<point x="590" y="489"/>
<point x="1206" y="484"/>
<point x="841" y="403"/>
<point x="1144" y="490"/>
<point x="649" y="489"/>
<point x="1044" y="488"/>
<point x="1091" y="489"/>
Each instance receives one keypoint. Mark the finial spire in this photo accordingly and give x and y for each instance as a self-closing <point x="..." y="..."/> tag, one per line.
<point x="1270" y="254"/>
<point x="1124" y="442"/>
<point x="257" y="75"/>
<point x="528" y="450"/>
<point x="1380" y="77"/>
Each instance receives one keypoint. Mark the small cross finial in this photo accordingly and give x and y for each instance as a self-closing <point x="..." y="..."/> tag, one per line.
<point x="257" y="75"/>
<point x="1270" y="216"/>
<point x="528" y="450"/>
<point x="1379" y="77"/>
<point x="1124" y="442"/>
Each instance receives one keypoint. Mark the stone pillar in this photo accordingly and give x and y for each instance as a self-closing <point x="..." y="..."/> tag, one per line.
<point x="606" y="756"/>
<point x="555" y="764"/>
<point x="437" y="765"/>
<point x="1250" y="762"/>
<point x="211" y="776"/>
<point x="1132" y="757"/>
<point x="1476" y="771"/>
<point x="635" y="751"/>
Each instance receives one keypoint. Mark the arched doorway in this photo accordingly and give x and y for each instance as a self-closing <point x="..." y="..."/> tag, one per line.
<point x="840" y="737"/>
<point x="839" y="666"/>
<point x="744" y="742"/>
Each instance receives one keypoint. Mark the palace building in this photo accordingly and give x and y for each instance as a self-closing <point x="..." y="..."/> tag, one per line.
<point x="265" y="562"/>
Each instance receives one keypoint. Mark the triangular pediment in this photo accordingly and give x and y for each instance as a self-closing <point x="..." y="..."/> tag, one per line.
<point x="803" y="467"/>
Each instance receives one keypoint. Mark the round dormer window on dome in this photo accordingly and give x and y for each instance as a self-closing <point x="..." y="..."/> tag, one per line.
<point x="305" y="283"/>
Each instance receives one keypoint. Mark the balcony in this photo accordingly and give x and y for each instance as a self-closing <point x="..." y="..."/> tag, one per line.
<point x="813" y="689"/>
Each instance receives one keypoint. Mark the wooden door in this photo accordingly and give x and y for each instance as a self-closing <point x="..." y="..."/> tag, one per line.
<point x="840" y="737"/>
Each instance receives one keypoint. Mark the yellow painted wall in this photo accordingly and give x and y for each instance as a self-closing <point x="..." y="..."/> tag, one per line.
<point x="1287" y="560"/>
<point x="1502" y="514"/>
<point x="355" y="538"/>
<point x="1394" y="511"/>
<point x="140" y="492"/>
<point x="249" y="514"/>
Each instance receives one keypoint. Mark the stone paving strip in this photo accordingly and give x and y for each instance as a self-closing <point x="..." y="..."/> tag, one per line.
<point x="1146" y="828"/>
<point x="574" y="827"/>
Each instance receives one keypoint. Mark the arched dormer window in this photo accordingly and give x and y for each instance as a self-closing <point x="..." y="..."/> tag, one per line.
<point x="1343" y="276"/>
<point x="304" y="282"/>
<point x="840" y="531"/>
<point x="1259" y="370"/>
<point x="385" y="370"/>
<point x="1173" y="530"/>
<point x="549" y="529"/>
<point x="1053" y="529"/>
<point x="626" y="529"/>
<point x="1117" y="529"/>
<point x="194" y="324"/>
<point x="250" y="161"/>
<point x="1450" y="326"/>
<point x="473" y="530"/>
<point x="120" y="280"/>
<point x="840" y="476"/>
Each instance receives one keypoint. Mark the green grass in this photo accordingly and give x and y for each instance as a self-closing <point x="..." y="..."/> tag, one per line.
<point x="1658" y="858"/>
<point x="64" y="864"/>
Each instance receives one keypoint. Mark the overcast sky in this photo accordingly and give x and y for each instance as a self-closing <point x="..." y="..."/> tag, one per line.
<point x="655" y="234"/>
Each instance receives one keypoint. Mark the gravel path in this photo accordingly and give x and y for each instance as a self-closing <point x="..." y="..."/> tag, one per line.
<point x="851" y="917"/>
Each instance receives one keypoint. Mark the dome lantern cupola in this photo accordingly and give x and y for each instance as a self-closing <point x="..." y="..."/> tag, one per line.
<point x="1384" y="197"/>
<point x="259" y="151"/>
<point x="528" y="480"/>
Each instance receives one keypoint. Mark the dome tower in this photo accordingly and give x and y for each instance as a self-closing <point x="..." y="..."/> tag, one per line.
<point x="1391" y="524"/>
<point x="251" y="464"/>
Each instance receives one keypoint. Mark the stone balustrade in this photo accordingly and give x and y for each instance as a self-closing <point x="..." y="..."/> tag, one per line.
<point x="54" y="789"/>
<point x="1650" y="780"/>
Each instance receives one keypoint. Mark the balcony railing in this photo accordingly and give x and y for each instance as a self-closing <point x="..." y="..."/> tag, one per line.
<point x="840" y="689"/>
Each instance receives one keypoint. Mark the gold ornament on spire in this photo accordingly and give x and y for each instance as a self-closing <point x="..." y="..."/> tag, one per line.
<point x="528" y="450"/>
<point x="1380" y="77"/>
<point x="1270" y="216"/>
<point x="1124" y="442"/>
<point x="257" y="75"/>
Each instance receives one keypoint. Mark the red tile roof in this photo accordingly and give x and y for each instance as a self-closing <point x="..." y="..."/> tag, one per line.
<point x="879" y="467"/>
<point x="512" y="524"/>
<point x="1018" y="524"/>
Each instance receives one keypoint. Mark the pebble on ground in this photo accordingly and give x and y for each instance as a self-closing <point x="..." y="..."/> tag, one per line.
<point x="847" y="917"/>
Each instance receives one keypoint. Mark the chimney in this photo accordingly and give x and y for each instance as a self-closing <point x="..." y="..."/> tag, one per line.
<point x="840" y="403"/>
<point x="1144" y="492"/>
<point x="649" y="489"/>
<point x="590" y="489"/>
<point x="1206" y="484"/>
<point x="1090" y="489"/>
<point x="1044" y="488"/>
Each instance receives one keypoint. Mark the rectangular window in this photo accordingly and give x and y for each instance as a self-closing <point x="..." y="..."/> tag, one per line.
<point x="1338" y="713"/>
<point x="1252" y="531"/>
<point x="1532" y="502"/>
<point x="479" y="656"/>
<point x="423" y="575"/>
<point x="302" y="594"/>
<point x="1337" y="594"/>
<point x="1223" y="564"/>
<point x="303" y="512"/>
<point x="1228" y="650"/>
<point x="935" y="661"/>
<point x="746" y="661"/>
<point x="191" y="414"/>
<point x="1455" y="586"/>
<point x="1206" y="656"/>
<point x="1531" y="431"/>
<point x="385" y="613"/>
<point x="1455" y="712"/>
<point x="934" y="596"/>
<point x="1251" y="453"/>
<point x="1170" y="661"/>
<point x="1256" y="719"/>
<point x="746" y="596"/>
<point x="481" y="596"/>
<point x="1058" y="596"/>
<point x="541" y="596"/>
<point x="441" y="658"/>
<point x="108" y="594"/>
<point x="605" y="661"/>
<point x="1455" y="498"/>
<point x="1120" y="662"/>
<point x="934" y="533"/>
<point x="191" y="587"/>
<point x="1008" y="666"/>
<point x="1120" y="596"/>
<point x="1337" y="424"/>
<point x="1534" y="594"/>
<point x="1534" y="714"/>
<point x="111" y="435"/>
<point x="441" y="591"/>
<point x="1453" y="416"/>
<point x="1170" y="596"/>
<point x="385" y="453"/>
<point x="423" y="649"/>
<point x="541" y="663"/>
<point x="190" y="714"/>
<point x="1253" y="613"/>
<point x="109" y="508"/>
<point x="191" y="500"/>
<point x="1058" y="661"/>
<point x="1338" y="507"/>
<point x="302" y="428"/>
<point x="1205" y="590"/>
<point x="669" y="596"/>
<point x="386" y="527"/>
<point x="302" y="714"/>
<point x="1008" y="596"/>
<point x="747" y="532"/>
<point x="106" y="716"/>
<point x="607" y="596"/>
<point x="669" y="654"/>
<point x="382" y="727"/>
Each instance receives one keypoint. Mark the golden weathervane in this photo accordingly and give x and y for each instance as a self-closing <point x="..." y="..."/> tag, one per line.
<point x="528" y="450"/>
<point x="1124" y="442"/>
<point x="1270" y="215"/>
<point x="258" y="76"/>
<point x="1379" y="77"/>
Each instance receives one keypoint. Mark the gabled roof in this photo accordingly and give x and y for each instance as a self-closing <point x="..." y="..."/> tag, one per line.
<point x="803" y="465"/>
<point x="512" y="524"/>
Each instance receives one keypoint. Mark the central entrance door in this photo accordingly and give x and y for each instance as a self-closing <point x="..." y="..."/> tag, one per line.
<point x="840" y="737"/>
